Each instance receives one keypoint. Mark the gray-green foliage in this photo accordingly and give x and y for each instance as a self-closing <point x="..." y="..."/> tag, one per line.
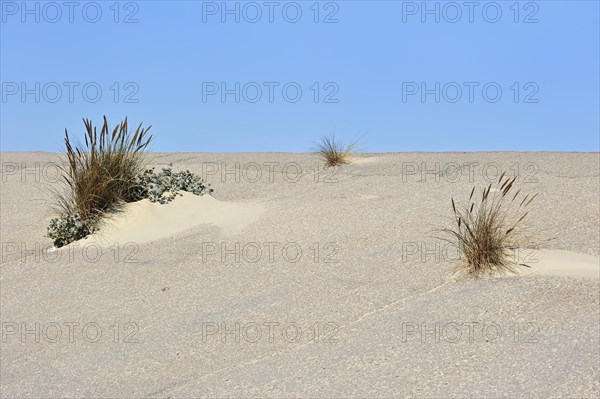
<point x="164" y="186"/>
<point x="160" y="187"/>
<point x="67" y="229"/>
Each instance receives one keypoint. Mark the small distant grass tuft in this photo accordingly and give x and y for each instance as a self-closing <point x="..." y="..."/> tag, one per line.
<point x="487" y="230"/>
<point x="333" y="152"/>
<point x="101" y="173"/>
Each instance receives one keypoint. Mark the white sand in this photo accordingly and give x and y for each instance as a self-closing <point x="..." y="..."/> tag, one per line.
<point x="364" y="217"/>
<point x="145" y="221"/>
<point x="362" y="159"/>
<point x="560" y="263"/>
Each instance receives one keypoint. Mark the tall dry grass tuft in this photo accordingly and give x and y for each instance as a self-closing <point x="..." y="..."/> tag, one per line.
<point x="487" y="230"/>
<point x="333" y="152"/>
<point x="100" y="174"/>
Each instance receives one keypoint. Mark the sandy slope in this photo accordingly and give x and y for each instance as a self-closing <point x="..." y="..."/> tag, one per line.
<point x="308" y="283"/>
<point x="145" y="221"/>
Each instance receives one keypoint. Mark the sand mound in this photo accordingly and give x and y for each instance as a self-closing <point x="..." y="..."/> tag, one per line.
<point x="356" y="159"/>
<point x="144" y="221"/>
<point x="560" y="263"/>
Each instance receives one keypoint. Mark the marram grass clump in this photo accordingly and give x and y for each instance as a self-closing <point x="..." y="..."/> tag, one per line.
<point x="101" y="173"/>
<point x="106" y="172"/>
<point x="487" y="229"/>
<point x="334" y="152"/>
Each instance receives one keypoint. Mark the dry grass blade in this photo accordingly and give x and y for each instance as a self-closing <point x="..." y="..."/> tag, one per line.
<point x="509" y="186"/>
<point x="522" y="217"/>
<point x="532" y="198"/>
<point x="486" y="193"/>
<point x="501" y="176"/>
<point x="516" y="195"/>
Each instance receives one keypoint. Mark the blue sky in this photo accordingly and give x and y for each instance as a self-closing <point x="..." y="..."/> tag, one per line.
<point x="487" y="76"/>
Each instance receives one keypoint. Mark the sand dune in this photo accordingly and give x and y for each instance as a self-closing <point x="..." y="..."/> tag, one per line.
<point x="145" y="221"/>
<point x="302" y="283"/>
